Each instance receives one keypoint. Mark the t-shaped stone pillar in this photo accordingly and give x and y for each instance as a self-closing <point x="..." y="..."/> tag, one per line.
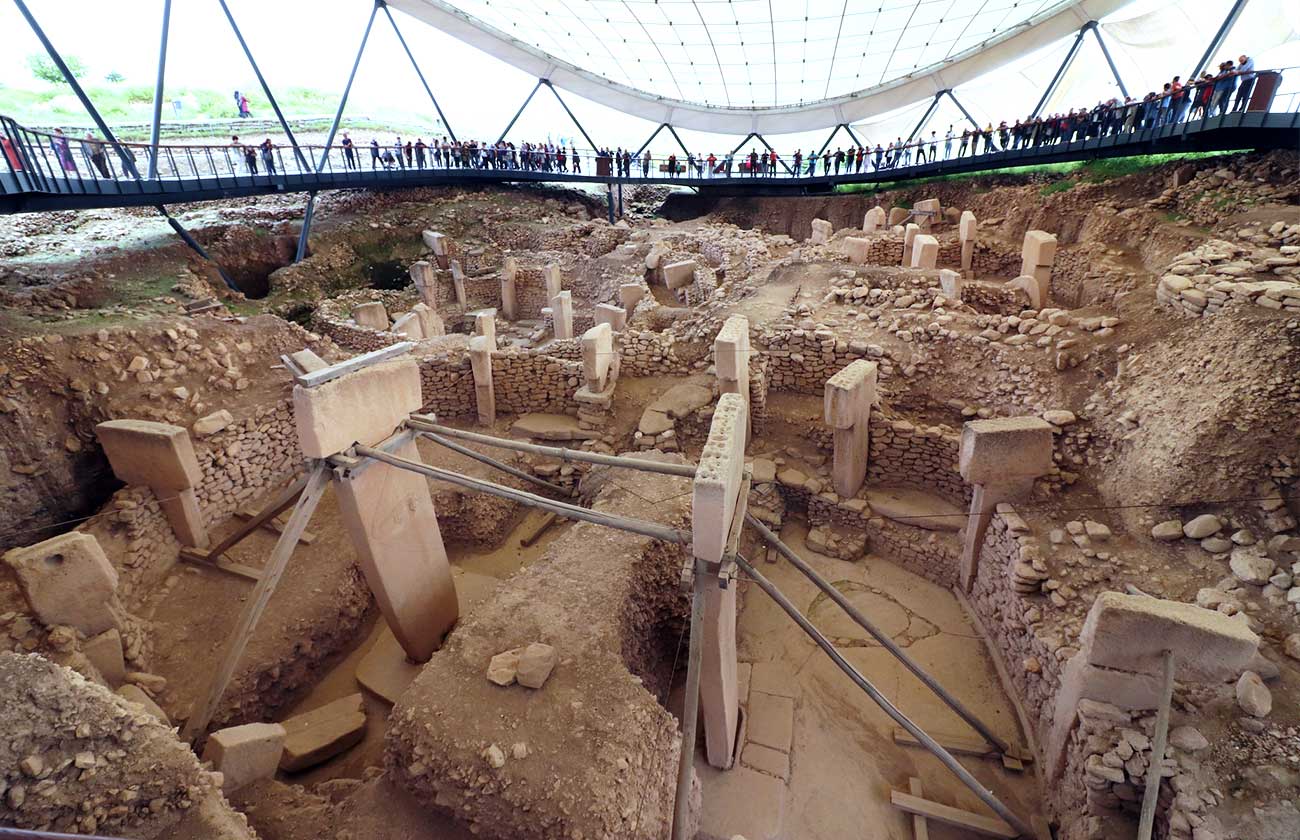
<point x="68" y="580"/>
<point x="388" y="512"/>
<point x="430" y="323"/>
<point x="679" y="274"/>
<point x="371" y="315"/>
<point x="615" y="316"/>
<point x="630" y="294"/>
<point x="925" y="251"/>
<point x="410" y="326"/>
<point x="848" y="398"/>
<point x="597" y="356"/>
<point x="718" y="507"/>
<point x="458" y="282"/>
<point x="554" y="279"/>
<point x="562" y="315"/>
<point x="873" y="220"/>
<point x="950" y="284"/>
<point x="822" y="231"/>
<point x="437" y="243"/>
<point x="509" y="292"/>
<point x="909" y="236"/>
<point x="1001" y="457"/>
<point x="480" y="360"/>
<point x="857" y="248"/>
<point x="966" y="233"/>
<point x="1036" y="258"/>
<point x="485" y="324"/>
<point x="927" y="212"/>
<point x="161" y="457"/>
<point x="425" y="282"/>
<point x="731" y="352"/>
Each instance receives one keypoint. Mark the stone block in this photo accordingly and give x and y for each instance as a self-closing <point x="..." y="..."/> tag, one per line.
<point x="718" y="479"/>
<point x="910" y="233"/>
<point x="480" y="360"/>
<point x="821" y="231"/>
<point x="485" y="324"/>
<point x="435" y="242"/>
<point x="966" y="226"/>
<point x="852" y="448"/>
<point x="927" y="212"/>
<point x="1036" y="288"/>
<point x="423" y="278"/>
<point x="630" y="294"/>
<point x="509" y="296"/>
<point x="1131" y="633"/>
<point x="213" y="423"/>
<point x="731" y="349"/>
<point x="1039" y="248"/>
<point x="857" y="248"/>
<point x="372" y="315"/>
<point x="390" y="518"/>
<point x="67" y="580"/>
<point x="679" y="274"/>
<point x="364" y="406"/>
<point x="105" y="652"/>
<point x="135" y="694"/>
<point x="967" y="255"/>
<point x="874" y="219"/>
<point x="245" y="754"/>
<point x="308" y="361"/>
<point x="1005" y="449"/>
<point x="553" y="278"/>
<point x="897" y="215"/>
<point x="157" y="455"/>
<point x="615" y="316"/>
<point x="850" y="393"/>
<point x="562" y="315"/>
<point x="925" y="251"/>
<point x="597" y="355"/>
<point x="319" y="735"/>
<point x="430" y="322"/>
<point x="458" y="282"/>
<point x="409" y="326"/>
<point x="536" y="662"/>
<point x="950" y="284"/>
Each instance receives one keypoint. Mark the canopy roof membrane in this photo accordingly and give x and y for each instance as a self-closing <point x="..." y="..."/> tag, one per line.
<point x="771" y="66"/>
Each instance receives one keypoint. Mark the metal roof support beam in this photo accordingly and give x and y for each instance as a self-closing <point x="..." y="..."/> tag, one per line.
<point x="198" y="249"/>
<point x="343" y="103"/>
<point x="647" y="143"/>
<point x="127" y="163"/>
<point x="673" y="132"/>
<point x="768" y="146"/>
<point x="966" y="113"/>
<point x="520" y="112"/>
<point x="158" y="91"/>
<point x="925" y="118"/>
<point x="266" y="89"/>
<point x="827" y="144"/>
<point x="741" y="144"/>
<point x="565" y="106"/>
<point x="851" y="134"/>
<point x="1217" y="42"/>
<point x="441" y="117"/>
<point x="1114" y="71"/>
<point x="1065" y="65"/>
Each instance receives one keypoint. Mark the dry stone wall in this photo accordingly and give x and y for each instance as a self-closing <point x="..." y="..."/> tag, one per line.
<point x="1204" y="280"/>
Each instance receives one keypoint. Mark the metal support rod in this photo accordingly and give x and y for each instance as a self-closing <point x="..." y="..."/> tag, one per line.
<point x="441" y="117"/>
<point x="591" y="143"/>
<point x="743" y="142"/>
<point x="198" y="249"/>
<point x="301" y="253"/>
<point x="266" y="89"/>
<point x="1114" y="71"/>
<point x="520" y="112"/>
<point x="158" y="91"/>
<point x="1217" y="41"/>
<point x="925" y="118"/>
<point x="849" y="129"/>
<point x="1060" y="71"/>
<point x="768" y="146"/>
<point x="423" y="424"/>
<point x="966" y="113"/>
<point x="673" y="132"/>
<point x="609" y="200"/>
<point x="690" y="704"/>
<point x="493" y="462"/>
<point x="1151" y="796"/>
<point x="827" y="144"/>
<point x="635" y="526"/>
<point x="343" y="103"/>
<point x="71" y="79"/>
<point x="986" y="796"/>
<point x="644" y="145"/>
<point x="884" y="639"/>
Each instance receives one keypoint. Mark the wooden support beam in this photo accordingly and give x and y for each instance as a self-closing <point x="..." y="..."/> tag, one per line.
<point x="920" y="830"/>
<point x="542" y="526"/>
<point x="274" y="525"/>
<point x="198" y="557"/>
<point x="277" y="506"/>
<point x="992" y="826"/>
<point x="314" y="487"/>
<point x="976" y="747"/>
<point x="319" y="377"/>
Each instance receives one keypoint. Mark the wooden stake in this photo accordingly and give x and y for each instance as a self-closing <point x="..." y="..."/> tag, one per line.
<point x="919" y="827"/>
<point x="991" y="826"/>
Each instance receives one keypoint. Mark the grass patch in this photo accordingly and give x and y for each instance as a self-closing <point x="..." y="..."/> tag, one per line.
<point x="1063" y="185"/>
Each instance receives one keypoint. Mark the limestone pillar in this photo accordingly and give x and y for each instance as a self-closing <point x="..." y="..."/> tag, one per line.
<point x="1001" y="457"/>
<point x="821" y="232"/>
<point x="630" y="294"/>
<point x="509" y="292"/>
<point x="718" y="506"/>
<point x="1036" y="258"/>
<point x="966" y="233"/>
<point x="309" y="361"/>
<point x="679" y="274"/>
<point x="485" y="324"/>
<point x="1036" y="288"/>
<point x="897" y="215"/>
<point x="874" y="219"/>
<point x="615" y="316"/>
<point x="554" y="280"/>
<point x="926" y="213"/>
<point x="480" y="359"/>
<point x="458" y="282"/>
<point x="562" y="315"/>
<point x="597" y="356"/>
<point x="388" y="512"/>
<point x="925" y="251"/>
<point x="731" y="352"/>
<point x="161" y="457"/>
<point x="848" y="398"/>
<point x="437" y="243"/>
<point x="950" y="284"/>
<point x="425" y="282"/>
<point x="909" y="236"/>
<point x="68" y="580"/>
<point x="409" y="326"/>
<point x="857" y="247"/>
<point x="430" y="324"/>
<point x="372" y="315"/>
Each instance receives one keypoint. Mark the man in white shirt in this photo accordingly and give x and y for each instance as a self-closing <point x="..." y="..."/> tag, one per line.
<point x="1246" y="82"/>
<point x="947" y="144"/>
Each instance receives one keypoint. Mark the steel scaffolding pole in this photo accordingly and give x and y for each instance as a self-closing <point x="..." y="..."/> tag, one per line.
<point x="768" y="146"/>
<point x="343" y="103"/>
<point x="1101" y="42"/>
<point x="441" y="116"/>
<point x="934" y="104"/>
<point x="71" y="79"/>
<point x="158" y="91"/>
<point x="520" y="112"/>
<point x="647" y="143"/>
<point x="198" y="249"/>
<point x="266" y="89"/>
<point x="1217" y="42"/>
<point x="673" y="132"/>
<point x="1065" y="65"/>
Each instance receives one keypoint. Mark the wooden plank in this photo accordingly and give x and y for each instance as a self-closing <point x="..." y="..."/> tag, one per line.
<point x="316" y="482"/>
<point x="200" y="558"/>
<point x="919" y="827"/>
<point x="992" y="826"/>
<point x="540" y="528"/>
<point x="959" y="745"/>
<point x="286" y="498"/>
<point x="274" y="525"/>
<point x="319" y="377"/>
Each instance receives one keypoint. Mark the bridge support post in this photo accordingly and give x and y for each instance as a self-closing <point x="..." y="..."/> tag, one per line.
<point x="609" y="200"/>
<point x="338" y="117"/>
<point x="198" y="249"/>
<point x="158" y="91"/>
<point x="306" y="228"/>
<point x="1065" y="65"/>
<point x="1218" y="39"/>
<point x="957" y="102"/>
<point x="1114" y="71"/>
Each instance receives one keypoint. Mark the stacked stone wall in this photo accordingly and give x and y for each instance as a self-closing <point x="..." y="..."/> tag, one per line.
<point x="648" y="353"/>
<point x="447" y="385"/>
<point x="802" y="360"/>
<point x="352" y="337"/>
<point x="535" y="382"/>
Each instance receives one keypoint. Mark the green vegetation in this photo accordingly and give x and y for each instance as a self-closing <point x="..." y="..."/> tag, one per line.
<point x="124" y="103"/>
<point x="1062" y="185"/>
<point x="44" y="68"/>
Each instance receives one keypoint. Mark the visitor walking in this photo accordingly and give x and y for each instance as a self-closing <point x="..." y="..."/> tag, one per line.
<point x="62" y="152"/>
<point x="349" y="152"/>
<point x="94" y="150"/>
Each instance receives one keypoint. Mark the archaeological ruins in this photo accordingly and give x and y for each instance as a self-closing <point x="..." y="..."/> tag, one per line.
<point x="959" y="509"/>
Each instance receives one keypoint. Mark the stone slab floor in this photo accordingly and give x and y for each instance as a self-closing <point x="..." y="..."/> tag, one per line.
<point x="818" y="758"/>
